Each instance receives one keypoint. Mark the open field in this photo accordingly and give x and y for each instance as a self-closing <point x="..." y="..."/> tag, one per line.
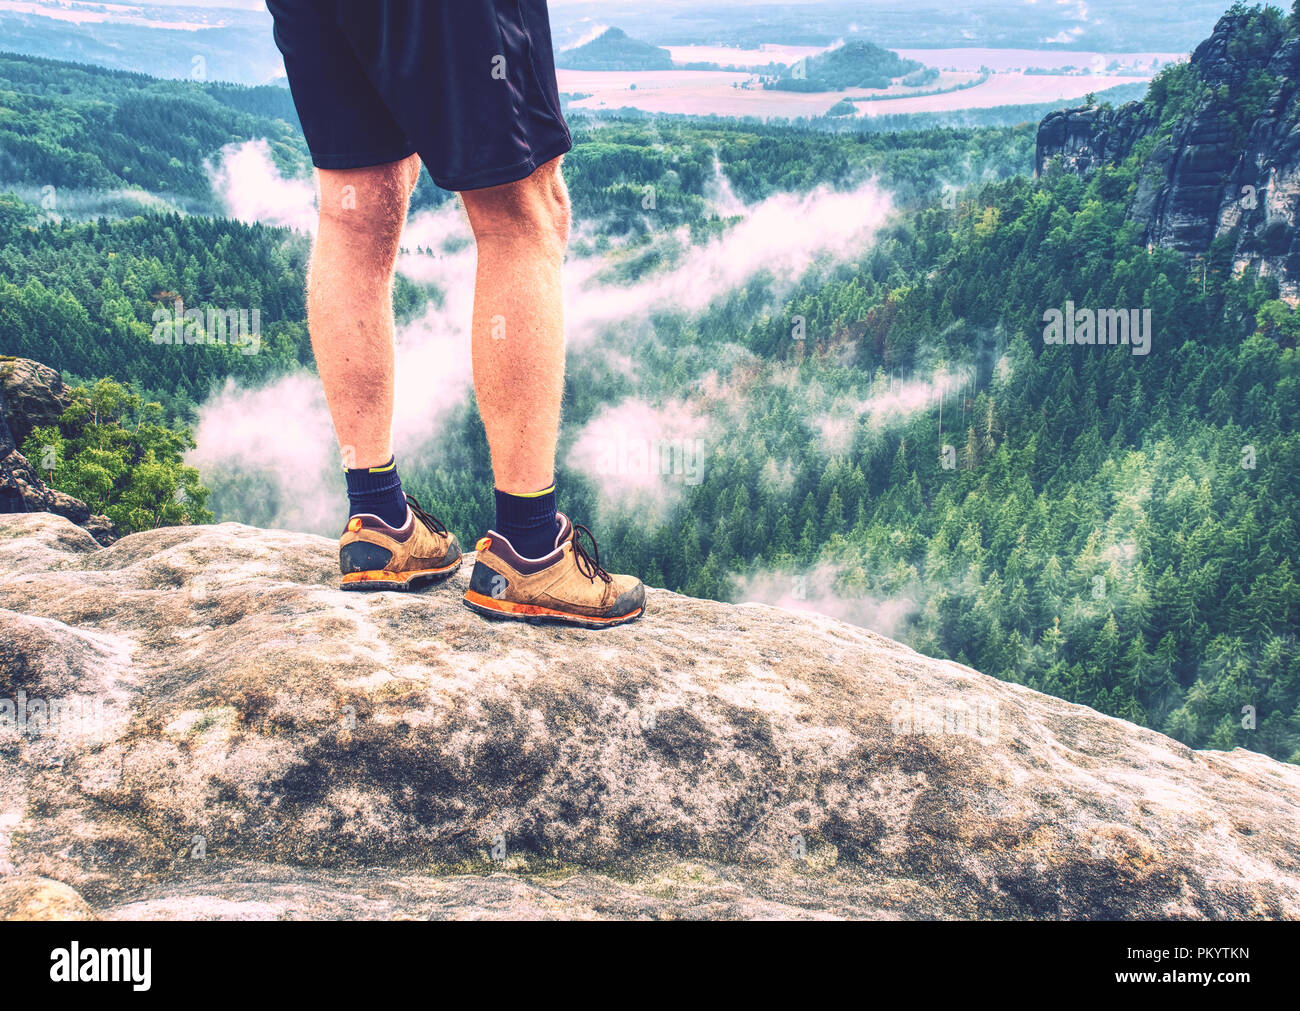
<point x="705" y="92"/>
<point x="966" y="58"/>
<point x="1020" y="59"/>
<point x="731" y="56"/>
<point x="1001" y="89"/>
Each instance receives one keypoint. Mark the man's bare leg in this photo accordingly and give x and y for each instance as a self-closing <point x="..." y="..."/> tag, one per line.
<point x="350" y="303"/>
<point x="521" y="229"/>
<point x="350" y="314"/>
<point x="537" y="569"/>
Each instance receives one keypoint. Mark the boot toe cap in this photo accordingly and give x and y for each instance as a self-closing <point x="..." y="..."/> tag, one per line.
<point x="453" y="549"/>
<point x="630" y="599"/>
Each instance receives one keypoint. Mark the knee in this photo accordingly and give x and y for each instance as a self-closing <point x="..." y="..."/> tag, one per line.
<point x="534" y="210"/>
<point x="370" y="203"/>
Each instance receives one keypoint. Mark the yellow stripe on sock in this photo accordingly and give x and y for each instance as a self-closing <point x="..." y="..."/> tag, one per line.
<point x="384" y="469"/>
<point x="534" y="494"/>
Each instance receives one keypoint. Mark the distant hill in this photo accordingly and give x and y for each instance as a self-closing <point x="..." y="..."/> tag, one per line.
<point x="79" y="127"/>
<point x="853" y="65"/>
<point x="615" y="50"/>
<point x="228" y="45"/>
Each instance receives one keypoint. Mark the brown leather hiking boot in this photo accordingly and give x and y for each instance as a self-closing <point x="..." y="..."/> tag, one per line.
<point x="567" y="586"/>
<point x="375" y="556"/>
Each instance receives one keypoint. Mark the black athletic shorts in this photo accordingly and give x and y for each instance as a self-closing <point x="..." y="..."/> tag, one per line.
<point x="469" y="84"/>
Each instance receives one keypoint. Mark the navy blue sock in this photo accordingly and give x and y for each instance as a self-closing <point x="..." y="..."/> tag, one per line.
<point x="377" y="490"/>
<point x="528" y="521"/>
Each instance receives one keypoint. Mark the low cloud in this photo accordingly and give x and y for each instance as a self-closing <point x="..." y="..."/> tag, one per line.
<point x="270" y="453"/>
<point x="888" y="402"/>
<point x="269" y="456"/>
<point x="784" y="236"/>
<point x="592" y="33"/>
<point x="814" y="590"/>
<point x="250" y="188"/>
<point x="642" y="456"/>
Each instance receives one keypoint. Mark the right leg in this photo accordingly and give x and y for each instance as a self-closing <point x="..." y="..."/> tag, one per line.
<point x="350" y="314"/>
<point x="521" y="229"/>
<point x="366" y="172"/>
<point x="350" y="301"/>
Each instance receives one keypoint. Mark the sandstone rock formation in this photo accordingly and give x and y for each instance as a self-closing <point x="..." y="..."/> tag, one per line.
<point x="1229" y="166"/>
<point x="212" y="729"/>
<point x="32" y="395"/>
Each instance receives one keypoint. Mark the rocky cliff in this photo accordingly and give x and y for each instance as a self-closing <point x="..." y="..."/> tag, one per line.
<point x="195" y="723"/>
<point x="32" y="395"/>
<point x="1219" y="148"/>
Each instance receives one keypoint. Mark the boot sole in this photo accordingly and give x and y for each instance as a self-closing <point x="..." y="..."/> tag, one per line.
<point x="386" y="579"/>
<point x="536" y="614"/>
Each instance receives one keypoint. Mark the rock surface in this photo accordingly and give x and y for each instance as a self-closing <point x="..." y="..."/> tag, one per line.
<point x="24" y="897"/>
<point x="236" y="738"/>
<point x="32" y="395"/>
<point x="1225" y="168"/>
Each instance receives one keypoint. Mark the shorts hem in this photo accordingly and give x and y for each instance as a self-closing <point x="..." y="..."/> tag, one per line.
<point x="499" y="176"/>
<point x="363" y="160"/>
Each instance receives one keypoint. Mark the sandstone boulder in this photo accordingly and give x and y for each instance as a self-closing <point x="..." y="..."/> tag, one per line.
<point x="32" y="395"/>
<point x="225" y="734"/>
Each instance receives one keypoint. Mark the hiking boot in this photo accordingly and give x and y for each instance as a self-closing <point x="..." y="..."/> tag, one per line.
<point x="375" y="556"/>
<point x="567" y="586"/>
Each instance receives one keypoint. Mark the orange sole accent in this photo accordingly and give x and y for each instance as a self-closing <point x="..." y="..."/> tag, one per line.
<point x="400" y="578"/>
<point x="537" y="610"/>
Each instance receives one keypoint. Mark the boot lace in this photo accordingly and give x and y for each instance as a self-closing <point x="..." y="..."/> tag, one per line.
<point x="432" y="522"/>
<point x="588" y="562"/>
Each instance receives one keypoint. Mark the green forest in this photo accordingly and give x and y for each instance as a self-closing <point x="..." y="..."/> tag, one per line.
<point x="1117" y="530"/>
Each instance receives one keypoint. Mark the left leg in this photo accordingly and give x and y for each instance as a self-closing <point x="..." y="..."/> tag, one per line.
<point x="518" y="331"/>
<point x="536" y="567"/>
